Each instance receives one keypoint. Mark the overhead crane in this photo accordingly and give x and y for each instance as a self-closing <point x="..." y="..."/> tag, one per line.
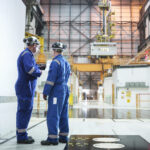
<point x="104" y="52"/>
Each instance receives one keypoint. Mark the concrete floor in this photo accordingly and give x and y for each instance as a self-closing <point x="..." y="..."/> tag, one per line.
<point x="86" y="123"/>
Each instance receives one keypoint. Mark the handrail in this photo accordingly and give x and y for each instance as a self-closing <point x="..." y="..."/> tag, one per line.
<point x="39" y="100"/>
<point x="138" y="99"/>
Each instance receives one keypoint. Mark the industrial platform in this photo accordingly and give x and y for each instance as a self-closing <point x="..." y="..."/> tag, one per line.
<point x="86" y="142"/>
<point x="87" y="122"/>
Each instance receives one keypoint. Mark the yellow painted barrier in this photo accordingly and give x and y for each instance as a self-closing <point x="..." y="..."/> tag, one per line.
<point x="39" y="101"/>
<point x="71" y="99"/>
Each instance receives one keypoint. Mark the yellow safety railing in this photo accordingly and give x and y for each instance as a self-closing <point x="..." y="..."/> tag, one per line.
<point x="71" y="99"/>
<point x="39" y="101"/>
<point x="140" y="99"/>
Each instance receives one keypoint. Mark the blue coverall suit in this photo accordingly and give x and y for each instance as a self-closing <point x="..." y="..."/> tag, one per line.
<point x="28" y="71"/>
<point x="58" y="93"/>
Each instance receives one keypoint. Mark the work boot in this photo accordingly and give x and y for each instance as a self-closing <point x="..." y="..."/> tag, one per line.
<point x="46" y="142"/>
<point x="63" y="141"/>
<point x="30" y="140"/>
<point x="30" y="137"/>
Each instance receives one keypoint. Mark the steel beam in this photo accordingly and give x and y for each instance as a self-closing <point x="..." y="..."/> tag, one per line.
<point x="91" y="67"/>
<point x="70" y="26"/>
<point x="79" y="31"/>
<point x="80" y="13"/>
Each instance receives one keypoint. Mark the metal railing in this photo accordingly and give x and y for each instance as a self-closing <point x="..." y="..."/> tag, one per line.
<point x="142" y="98"/>
<point x="39" y="100"/>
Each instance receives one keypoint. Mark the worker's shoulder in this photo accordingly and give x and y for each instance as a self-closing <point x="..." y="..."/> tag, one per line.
<point x="56" y="61"/>
<point x="26" y="53"/>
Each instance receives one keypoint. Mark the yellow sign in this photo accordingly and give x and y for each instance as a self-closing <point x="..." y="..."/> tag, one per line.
<point x="128" y="100"/>
<point x="128" y="93"/>
<point x="122" y="92"/>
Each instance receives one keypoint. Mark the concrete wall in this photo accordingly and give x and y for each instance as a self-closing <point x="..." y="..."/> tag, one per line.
<point x="75" y="83"/>
<point x="7" y="120"/>
<point x="12" y="29"/>
<point x="100" y="93"/>
<point x="125" y="96"/>
<point x="12" y="26"/>
<point x="135" y="74"/>
<point x="108" y="90"/>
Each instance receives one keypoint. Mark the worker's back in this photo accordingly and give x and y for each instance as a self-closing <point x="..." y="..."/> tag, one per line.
<point x="28" y="72"/>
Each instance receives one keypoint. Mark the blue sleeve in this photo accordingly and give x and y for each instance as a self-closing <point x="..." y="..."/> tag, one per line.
<point x="30" y="66"/>
<point x="52" y="76"/>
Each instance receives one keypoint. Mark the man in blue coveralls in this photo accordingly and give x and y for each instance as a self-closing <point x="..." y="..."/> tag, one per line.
<point x="58" y="93"/>
<point x="28" y="71"/>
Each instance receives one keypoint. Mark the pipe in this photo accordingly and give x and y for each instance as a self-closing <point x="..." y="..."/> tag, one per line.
<point x="106" y="24"/>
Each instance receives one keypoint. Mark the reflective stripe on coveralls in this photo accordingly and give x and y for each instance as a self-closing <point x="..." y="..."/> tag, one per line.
<point x="53" y="136"/>
<point x="50" y="83"/>
<point x="31" y="71"/>
<point x="57" y="61"/>
<point x="24" y="53"/>
<point x="63" y="134"/>
<point x="21" y="130"/>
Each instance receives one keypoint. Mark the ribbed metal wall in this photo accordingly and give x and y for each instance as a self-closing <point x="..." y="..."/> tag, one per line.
<point x="76" y="22"/>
